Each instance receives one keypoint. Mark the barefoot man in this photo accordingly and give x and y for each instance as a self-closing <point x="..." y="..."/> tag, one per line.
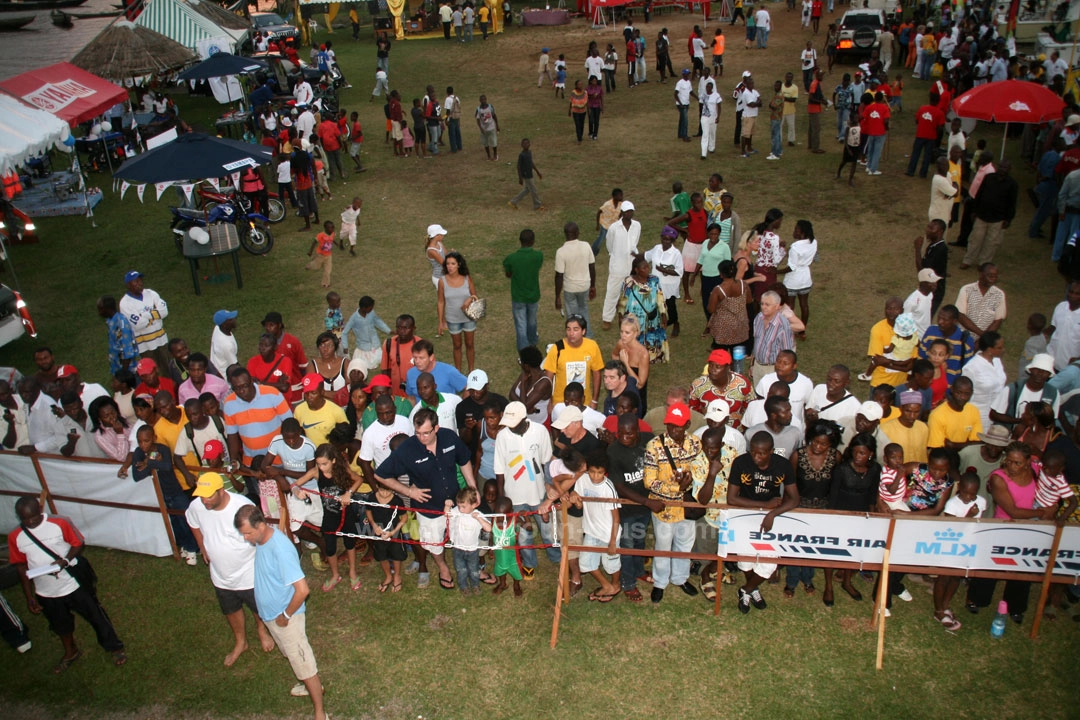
<point x="230" y="557"/>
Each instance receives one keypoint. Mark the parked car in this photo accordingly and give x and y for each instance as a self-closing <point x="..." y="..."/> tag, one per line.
<point x="14" y="316"/>
<point x="274" y="26"/>
<point x="860" y="33"/>
<point x="285" y="74"/>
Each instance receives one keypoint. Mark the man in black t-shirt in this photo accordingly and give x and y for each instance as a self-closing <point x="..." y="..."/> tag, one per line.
<point x="470" y="411"/>
<point x="761" y="479"/>
<point x="626" y="458"/>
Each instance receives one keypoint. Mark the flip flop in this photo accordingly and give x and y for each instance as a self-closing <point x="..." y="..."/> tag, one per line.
<point x="396" y="587"/>
<point x="65" y="663"/>
<point x="608" y="598"/>
<point x="331" y="584"/>
<point x="575" y="588"/>
<point x="356" y="585"/>
<point x="634" y="595"/>
<point x="948" y="623"/>
<point x="446" y="583"/>
<point x="688" y="300"/>
<point x="488" y="580"/>
<point x="383" y="587"/>
<point x="119" y="658"/>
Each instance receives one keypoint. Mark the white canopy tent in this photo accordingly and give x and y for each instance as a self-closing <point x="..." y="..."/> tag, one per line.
<point x="26" y="131"/>
<point x="184" y="22"/>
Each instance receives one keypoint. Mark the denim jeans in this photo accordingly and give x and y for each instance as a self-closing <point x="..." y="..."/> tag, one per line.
<point x="775" y="133"/>
<point x="468" y="32"/>
<point x="609" y="80"/>
<point x="599" y="241"/>
<point x="924" y="147"/>
<point x="467" y="567"/>
<point x="525" y="324"/>
<point x="1047" y="194"/>
<point x="525" y="537"/>
<point x="453" y="129"/>
<point x="796" y="575"/>
<point x="841" y="123"/>
<point x="762" y="38"/>
<point x="1066" y="228"/>
<point x="185" y="540"/>
<point x="874" y="145"/>
<point x="383" y="64"/>
<point x="676" y="537"/>
<point x="684" y="122"/>
<point x="577" y="303"/>
<point x="633" y="537"/>
<point x="433" y="139"/>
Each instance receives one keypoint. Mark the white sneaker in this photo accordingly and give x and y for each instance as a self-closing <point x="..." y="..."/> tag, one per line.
<point x="770" y="156"/>
<point x="189" y="557"/>
<point x="310" y="545"/>
<point x="24" y="648"/>
<point x="905" y="596"/>
<point x="299" y="690"/>
<point x="875" y="172"/>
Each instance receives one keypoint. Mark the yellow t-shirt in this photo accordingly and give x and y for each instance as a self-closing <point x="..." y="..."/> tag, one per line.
<point x="789" y="92"/>
<point x="912" y="439"/>
<point x="574" y="365"/>
<point x="483" y="12"/>
<point x="167" y="434"/>
<point x="317" y="424"/>
<point x="958" y="427"/>
<point x="880" y="336"/>
<point x="955" y="170"/>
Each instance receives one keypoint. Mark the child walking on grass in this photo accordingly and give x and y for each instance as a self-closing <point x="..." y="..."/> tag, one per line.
<point x="350" y="217"/>
<point x="324" y="245"/>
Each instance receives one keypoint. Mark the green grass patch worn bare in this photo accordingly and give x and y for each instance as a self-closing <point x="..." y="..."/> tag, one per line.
<point x="433" y="654"/>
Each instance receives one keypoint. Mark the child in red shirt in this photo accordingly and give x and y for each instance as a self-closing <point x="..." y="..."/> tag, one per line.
<point x="324" y="244"/>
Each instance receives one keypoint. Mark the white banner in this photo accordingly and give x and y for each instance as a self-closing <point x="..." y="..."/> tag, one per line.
<point x="138" y="531"/>
<point x="843" y="538"/>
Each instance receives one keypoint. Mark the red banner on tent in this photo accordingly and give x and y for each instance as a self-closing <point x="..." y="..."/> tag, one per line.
<point x="68" y="92"/>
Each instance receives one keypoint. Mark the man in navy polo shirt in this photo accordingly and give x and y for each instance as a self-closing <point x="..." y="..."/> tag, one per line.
<point x="431" y="459"/>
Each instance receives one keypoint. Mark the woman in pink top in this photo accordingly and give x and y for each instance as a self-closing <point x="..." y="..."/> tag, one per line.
<point x="1013" y="488"/>
<point x="110" y="431"/>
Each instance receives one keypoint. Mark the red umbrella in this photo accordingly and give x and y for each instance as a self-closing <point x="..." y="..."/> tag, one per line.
<point x="1009" y="101"/>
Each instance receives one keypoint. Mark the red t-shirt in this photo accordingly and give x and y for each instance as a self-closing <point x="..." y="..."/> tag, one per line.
<point x="330" y="134"/>
<point x="261" y="372"/>
<point x="930" y="118"/>
<point x="357" y="133"/>
<point x="290" y="346"/>
<point x="874" y="122"/>
<point x="325" y="244"/>
<point x="164" y="383"/>
<point x="611" y="424"/>
<point x="815" y="9"/>
<point x="631" y="51"/>
<point x="1070" y="160"/>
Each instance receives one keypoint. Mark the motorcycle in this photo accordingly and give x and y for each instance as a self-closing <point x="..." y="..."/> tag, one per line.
<point x="210" y="199"/>
<point x="255" y="235"/>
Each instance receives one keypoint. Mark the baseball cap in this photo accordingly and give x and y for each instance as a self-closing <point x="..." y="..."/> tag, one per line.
<point x="686" y="71"/>
<point x="222" y="315"/>
<point x="131" y="275"/>
<point x="717" y="410"/>
<point x="311" y="382"/>
<point x="626" y="205"/>
<point x="568" y="415"/>
<point x="209" y="483"/>
<point x="514" y="413"/>
<point x="928" y="275"/>
<point x="477" y="380"/>
<point x="1072" y="121"/>
<point x="669" y="232"/>
<point x="145" y="367"/>
<point x="720" y="357"/>
<point x="545" y="49"/>
<point x="436" y="229"/>
<point x="996" y="435"/>
<point x="871" y="411"/>
<point x="378" y="381"/>
<point x="1041" y="361"/>
<point x="677" y="414"/>
<point x="746" y="73"/>
<point x="65" y="371"/>
<point x="212" y="450"/>
<point x="273" y="317"/>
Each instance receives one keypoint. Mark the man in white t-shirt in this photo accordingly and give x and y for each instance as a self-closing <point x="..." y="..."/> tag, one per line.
<point x="443" y="404"/>
<point x="594" y="66"/>
<point x="684" y="90"/>
<point x="1055" y="66"/>
<point x="230" y="557"/>
<point x="375" y="444"/>
<point x="667" y="266"/>
<point x="575" y="274"/>
<point x="710" y="117"/>
<point x="800" y="387"/>
<point x="199" y="430"/>
<point x="764" y="26"/>
<point x="831" y="400"/>
<point x="223" y="348"/>
<point x="751" y="101"/>
<point x="918" y="303"/>
<point x="717" y="413"/>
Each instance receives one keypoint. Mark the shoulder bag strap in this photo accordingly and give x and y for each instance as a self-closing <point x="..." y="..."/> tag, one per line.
<point x="66" y="568"/>
<point x="834" y="404"/>
<point x="273" y="367"/>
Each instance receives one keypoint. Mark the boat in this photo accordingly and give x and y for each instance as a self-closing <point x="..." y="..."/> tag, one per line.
<point x="9" y="23"/>
<point x="21" y="5"/>
<point x="60" y="19"/>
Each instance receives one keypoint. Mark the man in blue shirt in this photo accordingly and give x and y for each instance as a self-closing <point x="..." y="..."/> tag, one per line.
<point x="280" y="592"/>
<point x="432" y="459"/>
<point x="447" y="377"/>
<point x="1047" y="188"/>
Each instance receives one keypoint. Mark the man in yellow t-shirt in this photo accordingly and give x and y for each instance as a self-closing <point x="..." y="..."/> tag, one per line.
<point x="790" y="92"/>
<point x="955" y="423"/>
<point x="578" y="360"/>
<point x="317" y="415"/>
<point x="889" y="372"/>
<point x="908" y="431"/>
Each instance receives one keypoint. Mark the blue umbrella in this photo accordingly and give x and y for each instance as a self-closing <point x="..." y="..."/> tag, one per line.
<point x="192" y="157"/>
<point x="221" y="65"/>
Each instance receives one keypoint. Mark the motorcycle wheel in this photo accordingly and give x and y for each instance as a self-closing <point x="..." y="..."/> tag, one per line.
<point x="256" y="238"/>
<point x="277" y="210"/>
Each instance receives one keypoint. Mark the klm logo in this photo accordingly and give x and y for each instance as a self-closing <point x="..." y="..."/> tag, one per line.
<point x="725" y="534"/>
<point x="946" y="542"/>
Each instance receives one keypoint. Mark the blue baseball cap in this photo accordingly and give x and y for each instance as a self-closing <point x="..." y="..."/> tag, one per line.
<point x="222" y="315"/>
<point x="132" y="275"/>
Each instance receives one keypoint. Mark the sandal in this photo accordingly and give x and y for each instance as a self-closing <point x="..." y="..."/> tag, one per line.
<point x="446" y="583"/>
<point x="119" y="658"/>
<point x="356" y="584"/>
<point x="789" y="592"/>
<point x="708" y="589"/>
<point x="396" y="587"/>
<point x="488" y="580"/>
<point x="575" y="588"/>
<point x="688" y="300"/>
<point x="331" y="584"/>
<point x="634" y="595"/>
<point x="383" y="587"/>
<point x="65" y="663"/>
<point x="599" y="597"/>
<point x="948" y="623"/>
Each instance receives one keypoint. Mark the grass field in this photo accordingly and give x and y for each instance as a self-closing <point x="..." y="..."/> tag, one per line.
<point x="429" y="653"/>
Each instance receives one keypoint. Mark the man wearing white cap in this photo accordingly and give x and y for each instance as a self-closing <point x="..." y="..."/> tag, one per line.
<point x="736" y="95"/>
<point x="622" y="244"/>
<point x="918" y="304"/>
<point x="230" y="557"/>
<point x="716" y="416"/>
<point x="1011" y="401"/>
<point x="470" y="411"/>
<point x="522" y="449"/>
<point x="866" y="420"/>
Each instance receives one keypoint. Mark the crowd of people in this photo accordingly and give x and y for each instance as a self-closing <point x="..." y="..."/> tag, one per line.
<point x="405" y="458"/>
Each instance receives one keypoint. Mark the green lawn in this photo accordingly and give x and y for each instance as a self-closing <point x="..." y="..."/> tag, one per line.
<point x="377" y="652"/>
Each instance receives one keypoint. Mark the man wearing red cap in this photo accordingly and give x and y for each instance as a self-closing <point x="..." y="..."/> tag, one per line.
<point x="230" y="557"/>
<point x="152" y="381"/>
<point x="720" y="381"/>
<point x="316" y="414"/>
<point x="379" y="386"/>
<point x="68" y="375"/>
<point x="673" y="462"/>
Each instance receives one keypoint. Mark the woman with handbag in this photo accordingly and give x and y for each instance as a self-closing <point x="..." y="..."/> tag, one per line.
<point x="643" y="298"/>
<point x="457" y="293"/>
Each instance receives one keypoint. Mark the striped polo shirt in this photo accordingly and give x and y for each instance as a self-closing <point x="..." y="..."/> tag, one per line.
<point x="258" y="421"/>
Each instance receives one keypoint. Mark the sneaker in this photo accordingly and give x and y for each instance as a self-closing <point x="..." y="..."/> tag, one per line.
<point x="770" y="156"/>
<point x="299" y="690"/>
<point x="745" y="155"/>
<point x="744" y="601"/>
<point x="24" y="648"/>
<point x="318" y="563"/>
<point x="413" y="568"/>
<point x="757" y="600"/>
<point x="905" y="596"/>
<point x="189" y="557"/>
<point x="875" y="172"/>
<point x="310" y="545"/>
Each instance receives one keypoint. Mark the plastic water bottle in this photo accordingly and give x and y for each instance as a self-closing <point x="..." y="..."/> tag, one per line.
<point x="738" y="354"/>
<point x="997" y="628"/>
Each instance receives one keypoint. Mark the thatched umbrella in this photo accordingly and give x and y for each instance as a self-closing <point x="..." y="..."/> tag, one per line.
<point x="124" y="50"/>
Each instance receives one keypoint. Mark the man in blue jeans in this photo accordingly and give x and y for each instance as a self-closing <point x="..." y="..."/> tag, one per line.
<point x="626" y="470"/>
<point x="575" y="275"/>
<point x="523" y="268"/>
<point x="929" y="121"/>
<point x="876" y="129"/>
<point x="522" y="450"/>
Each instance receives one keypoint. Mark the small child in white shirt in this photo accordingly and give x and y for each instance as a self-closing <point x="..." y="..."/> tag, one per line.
<point x="466" y="522"/>
<point x="600" y="524"/>
<point x="957" y="137"/>
<point x="349" y="218"/>
<point x="966" y="503"/>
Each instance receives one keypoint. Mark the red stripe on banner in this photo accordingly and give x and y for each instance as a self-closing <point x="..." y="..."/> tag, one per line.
<point x="763" y="546"/>
<point x="1004" y="561"/>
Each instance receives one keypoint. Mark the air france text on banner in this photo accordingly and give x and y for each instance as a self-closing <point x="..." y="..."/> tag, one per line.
<point x="834" y="538"/>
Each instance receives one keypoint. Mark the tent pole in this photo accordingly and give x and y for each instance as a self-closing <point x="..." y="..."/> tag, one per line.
<point x="1004" y="137"/>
